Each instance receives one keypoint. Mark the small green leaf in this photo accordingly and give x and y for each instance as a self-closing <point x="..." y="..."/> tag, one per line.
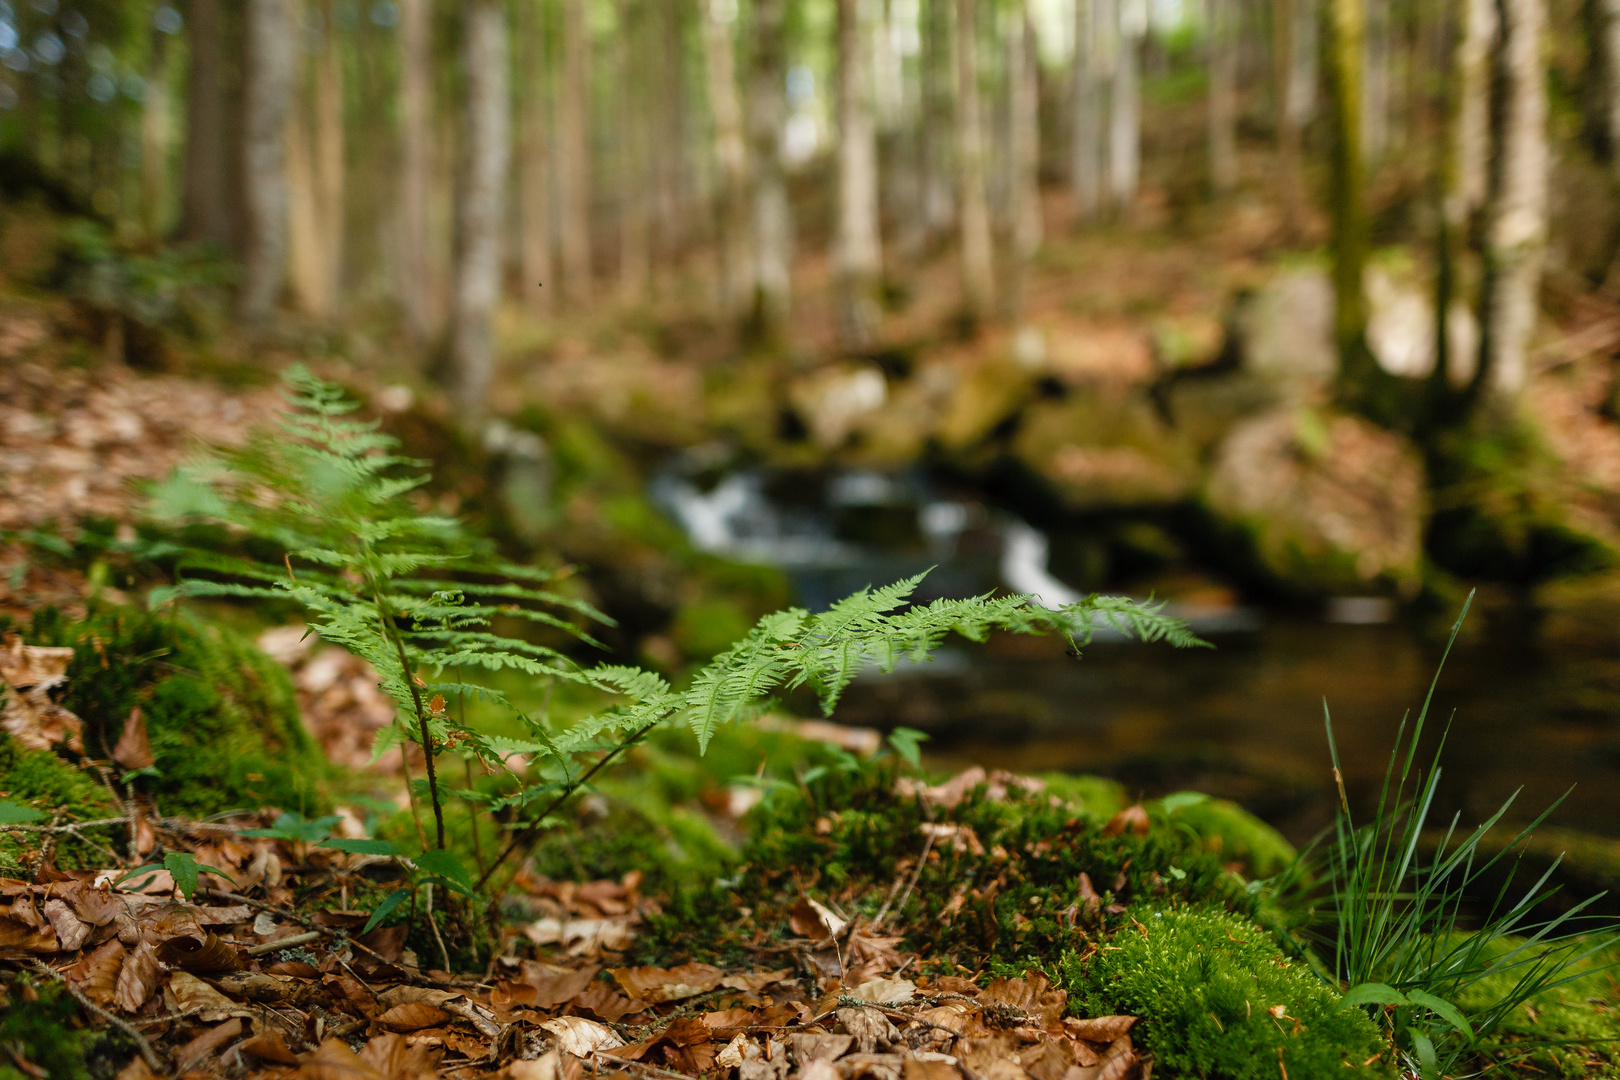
<point x="907" y="742"/>
<point x="1428" y="1063"/>
<point x="1181" y="799"/>
<point x="150" y="870"/>
<point x="363" y="847"/>
<point x="1443" y="1009"/>
<point x="1373" y="994"/>
<point x="389" y="903"/>
<point x="445" y="865"/>
<point x="17" y="814"/>
<point x="1178" y="873"/>
<point x="183" y="868"/>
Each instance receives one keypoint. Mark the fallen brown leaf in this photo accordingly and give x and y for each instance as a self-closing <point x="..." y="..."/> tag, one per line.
<point x="413" y="1016"/>
<point x="814" y="920"/>
<point x="133" y="750"/>
<point x="1132" y="819"/>
<point x="71" y="932"/>
<point x="192" y="993"/>
<point x="332" y="1060"/>
<point x="808" y="1047"/>
<point x="270" y="1046"/>
<point x="579" y="1036"/>
<point x="98" y="973"/>
<point x="206" y="1043"/>
<point x="655" y="985"/>
<point x="756" y="981"/>
<point x="137" y="979"/>
<point x="1102" y="1029"/>
<point x="552" y="985"/>
<point x="206" y="957"/>
<point x="396" y="1058"/>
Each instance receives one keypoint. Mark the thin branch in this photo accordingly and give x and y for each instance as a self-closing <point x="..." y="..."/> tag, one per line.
<point x="147" y="1053"/>
<point x="519" y="838"/>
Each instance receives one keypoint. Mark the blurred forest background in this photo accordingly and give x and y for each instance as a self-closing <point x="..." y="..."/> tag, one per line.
<point x="1275" y="309"/>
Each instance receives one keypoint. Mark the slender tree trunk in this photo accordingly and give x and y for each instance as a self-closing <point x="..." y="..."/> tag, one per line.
<point x="1093" y="34"/>
<point x="1125" y="138"/>
<point x="155" y="137"/>
<point x="1375" y="79"/>
<point x="270" y="75"/>
<point x="574" y="172"/>
<point x="773" y="221"/>
<point x="329" y="161"/>
<point x="1349" y="218"/>
<point x="480" y="202"/>
<point x="1027" y="226"/>
<point x="416" y="167"/>
<point x="859" y="253"/>
<point x="973" y="214"/>
<point x="1223" y="72"/>
<point x="635" y="177"/>
<point x="1516" y="211"/>
<point x="306" y="269"/>
<point x="1464" y="175"/>
<point x="534" y="167"/>
<point x="938" y="205"/>
<point x="1610" y="46"/>
<point x="206" y="214"/>
<point x="668" y="197"/>
<point x="1294" y="25"/>
<point x="731" y="156"/>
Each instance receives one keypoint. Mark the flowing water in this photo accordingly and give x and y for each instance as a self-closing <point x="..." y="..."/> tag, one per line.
<point x="1243" y="719"/>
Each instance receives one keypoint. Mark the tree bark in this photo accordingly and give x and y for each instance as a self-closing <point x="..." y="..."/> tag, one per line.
<point x="773" y="221"/>
<point x="1609" y="14"/>
<point x="534" y="163"/>
<point x="1294" y="24"/>
<point x="635" y="176"/>
<point x="938" y="204"/>
<point x="329" y="161"/>
<point x="206" y="214"/>
<point x="973" y="211"/>
<point x="1027" y="225"/>
<point x="306" y="269"/>
<point x="731" y="157"/>
<point x="1375" y="79"/>
<point x="1093" y="34"/>
<point x="859" y="254"/>
<point x="1349" y="240"/>
<point x="1464" y="177"/>
<point x="1223" y="64"/>
<point x="1516" y="211"/>
<point x="1125" y="139"/>
<point x="416" y="167"/>
<point x="270" y="74"/>
<point x="480" y="201"/>
<point x="574" y="171"/>
<point x="155" y="137"/>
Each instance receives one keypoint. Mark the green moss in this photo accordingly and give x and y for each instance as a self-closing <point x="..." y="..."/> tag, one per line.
<point x="1571" y="1031"/>
<point x="1203" y="982"/>
<point x="41" y="779"/>
<point x="221" y="717"/>
<point x="1228" y="830"/>
<point x="37" y="1020"/>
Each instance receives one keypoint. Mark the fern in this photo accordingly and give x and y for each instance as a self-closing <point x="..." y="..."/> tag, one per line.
<point x="414" y="596"/>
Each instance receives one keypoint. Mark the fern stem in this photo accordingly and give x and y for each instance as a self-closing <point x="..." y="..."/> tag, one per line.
<point x="519" y="838"/>
<point x="391" y="632"/>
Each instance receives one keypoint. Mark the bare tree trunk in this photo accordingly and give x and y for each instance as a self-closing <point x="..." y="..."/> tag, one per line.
<point x="1375" y="80"/>
<point x="534" y="164"/>
<point x="635" y="177"/>
<point x="306" y="269"/>
<point x="486" y="155"/>
<point x="1027" y="226"/>
<point x="1464" y="176"/>
<point x="206" y="212"/>
<point x="1610" y="45"/>
<point x="155" y="136"/>
<point x="859" y="253"/>
<point x="973" y="216"/>
<point x="416" y="167"/>
<point x="773" y="221"/>
<point x="1223" y="65"/>
<point x="1294" y="24"/>
<point x="270" y="75"/>
<point x="1093" y="57"/>
<point x="938" y="206"/>
<point x="1125" y="139"/>
<point x="329" y="164"/>
<point x="1516" y="212"/>
<point x="670" y="186"/>
<point x="574" y="171"/>
<point x="1349" y="240"/>
<point x="731" y="155"/>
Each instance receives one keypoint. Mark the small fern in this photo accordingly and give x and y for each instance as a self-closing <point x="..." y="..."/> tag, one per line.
<point x="414" y="596"/>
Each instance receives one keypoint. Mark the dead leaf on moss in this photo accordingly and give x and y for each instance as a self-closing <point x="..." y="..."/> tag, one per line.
<point x="814" y="920"/>
<point x="1132" y="819"/>
<point x="1101" y="1029"/>
<point x="27" y="667"/>
<point x="133" y="750"/>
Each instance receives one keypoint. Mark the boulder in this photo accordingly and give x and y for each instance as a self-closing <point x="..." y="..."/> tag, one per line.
<point x="833" y="402"/>
<point x="1329" y="502"/>
<point x="1285" y="330"/>
<point x="1107" y="449"/>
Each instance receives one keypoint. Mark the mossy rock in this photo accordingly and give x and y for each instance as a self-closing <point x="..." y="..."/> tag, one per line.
<point x="221" y="717"/>
<point x="1099" y="449"/>
<point x="1204" y="982"/>
<point x="41" y="779"/>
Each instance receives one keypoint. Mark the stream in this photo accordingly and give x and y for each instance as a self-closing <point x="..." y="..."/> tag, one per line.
<point x="1243" y="720"/>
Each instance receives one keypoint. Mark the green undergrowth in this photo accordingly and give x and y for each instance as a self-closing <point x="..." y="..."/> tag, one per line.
<point x="221" y="718"/>
<point x="38" y="1021"/>
<point x="1570" y="1031"/>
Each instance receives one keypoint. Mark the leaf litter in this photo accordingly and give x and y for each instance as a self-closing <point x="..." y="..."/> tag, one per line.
<point x="261" y="977"/>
